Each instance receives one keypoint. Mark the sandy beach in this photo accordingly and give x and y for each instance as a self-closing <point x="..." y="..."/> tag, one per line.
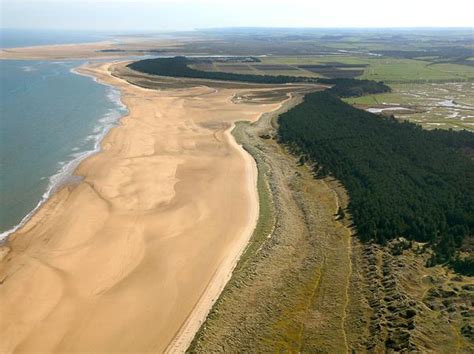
<point x="61" y="52"/>
<point x="132" y="257"/>
<point x="107" y="49"/>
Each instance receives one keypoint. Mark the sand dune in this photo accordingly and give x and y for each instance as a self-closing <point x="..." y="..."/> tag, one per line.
<point x="119" y="261"/>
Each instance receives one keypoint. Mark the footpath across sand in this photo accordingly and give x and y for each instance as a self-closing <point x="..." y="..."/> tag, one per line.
<point x="136" y="252"/>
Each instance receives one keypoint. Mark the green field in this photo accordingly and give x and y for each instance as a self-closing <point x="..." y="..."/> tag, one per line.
<point x="389" y="70"/>
<point x="392" y="56"/>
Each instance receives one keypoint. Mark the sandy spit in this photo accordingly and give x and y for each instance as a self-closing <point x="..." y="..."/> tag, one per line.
<point x="61" y="52"/>
<point x="132" y="258"/>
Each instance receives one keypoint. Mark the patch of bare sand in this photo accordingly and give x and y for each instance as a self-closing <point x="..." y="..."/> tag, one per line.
<point x="61" y="51"/>
<point x="124" y="47"/>
<point x="119" y="261"/>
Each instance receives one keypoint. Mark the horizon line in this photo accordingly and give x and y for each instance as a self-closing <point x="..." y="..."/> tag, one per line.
<point x="239" y="27"/>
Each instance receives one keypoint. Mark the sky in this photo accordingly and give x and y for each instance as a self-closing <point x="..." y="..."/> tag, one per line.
<point x="164" y="15"/>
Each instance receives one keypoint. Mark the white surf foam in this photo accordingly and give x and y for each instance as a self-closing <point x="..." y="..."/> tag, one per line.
<point x="67" y="168"/>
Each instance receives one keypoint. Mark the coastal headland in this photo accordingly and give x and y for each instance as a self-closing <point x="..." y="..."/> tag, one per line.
<point x="134" y="254"/>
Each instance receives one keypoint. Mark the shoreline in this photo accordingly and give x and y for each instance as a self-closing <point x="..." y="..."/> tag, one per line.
<point x="63" y="176"/>
<point x="214" y="288"/>
<point x="68" y="51"/>
<point x="70" y="44"/>
<point x="27" y="237"/>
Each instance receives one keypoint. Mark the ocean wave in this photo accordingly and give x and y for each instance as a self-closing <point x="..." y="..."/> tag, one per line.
<point x="65" y="173"/>
<point x="28" y="68"/>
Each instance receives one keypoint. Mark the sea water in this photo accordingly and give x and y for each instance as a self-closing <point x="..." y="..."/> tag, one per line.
<point x="50" y="119"/>
<point x="12" y="38"/>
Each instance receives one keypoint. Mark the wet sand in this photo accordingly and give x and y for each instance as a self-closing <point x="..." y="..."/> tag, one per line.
<point x="136" y="252"/>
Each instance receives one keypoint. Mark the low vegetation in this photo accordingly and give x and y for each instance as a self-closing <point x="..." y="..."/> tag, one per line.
<point x="277" y="299"/>
<point x="305" y="285"/>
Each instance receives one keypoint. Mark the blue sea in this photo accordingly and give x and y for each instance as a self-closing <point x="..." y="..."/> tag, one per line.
<point x="11" y="38"/>
<point x="50" y="119"/>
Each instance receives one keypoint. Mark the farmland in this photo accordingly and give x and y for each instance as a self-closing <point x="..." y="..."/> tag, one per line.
<point x="389" y="70"/>
<point x="389" y="56"/>
<point x="392" y="56"/>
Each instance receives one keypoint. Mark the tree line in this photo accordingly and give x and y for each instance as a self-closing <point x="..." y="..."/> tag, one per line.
<point x="402" y="180"/>
<point x="179" y="67"/>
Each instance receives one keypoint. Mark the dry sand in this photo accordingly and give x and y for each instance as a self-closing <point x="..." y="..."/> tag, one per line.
<point x="119" y="261"/>
<point x="123" y="47"/>
<point x="61" y="51"/>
